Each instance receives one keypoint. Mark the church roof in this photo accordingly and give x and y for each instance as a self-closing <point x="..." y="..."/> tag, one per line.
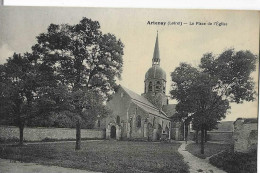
<point x="144" y="104"/>
<point x="137" y="97"/>
<point x="156" y="53"/>
<point x="150" y="110"/>
<point x="156" y="72"/>
<point x="169" y="109"/>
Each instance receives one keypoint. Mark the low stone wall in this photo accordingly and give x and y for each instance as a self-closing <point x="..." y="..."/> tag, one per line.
<point x="220" y="136"/>
<point x="245" y="135"/>
<point x="42" y="133"/>
<point x="224" y="137"/>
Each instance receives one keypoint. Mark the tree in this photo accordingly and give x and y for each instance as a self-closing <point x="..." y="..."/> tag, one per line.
<point x="81" y="58"/>
<point x="205" y="92"/>
<point x="18" y="87"/>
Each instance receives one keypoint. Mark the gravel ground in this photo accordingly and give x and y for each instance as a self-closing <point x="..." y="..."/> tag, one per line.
<point x="196" y="164"/>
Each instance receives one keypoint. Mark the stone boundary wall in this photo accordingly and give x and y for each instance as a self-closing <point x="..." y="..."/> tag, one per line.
<point x="220" y="136"/>
<point x="245" y="135"/>
<point x="226" y="137"/>
<point x="41" y="133"/>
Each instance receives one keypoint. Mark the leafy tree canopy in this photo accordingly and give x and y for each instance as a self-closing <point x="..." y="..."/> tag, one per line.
<point x="207" y="90"/>
<point x="80" y="56"/>
<point x="204" y="93"/>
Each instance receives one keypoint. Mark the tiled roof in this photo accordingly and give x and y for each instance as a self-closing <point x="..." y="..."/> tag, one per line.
<point x="144" y="104"/>
<point x="150" y="110"/>
<point x="138" y="98"/>
<point x="169" y="109"/>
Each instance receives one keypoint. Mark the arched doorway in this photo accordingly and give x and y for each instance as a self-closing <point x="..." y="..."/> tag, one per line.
<point x="167" y="132"/>
<point x="113" y="132"/>
<point x="150" y="131"/>
<point x="159" y="132"/>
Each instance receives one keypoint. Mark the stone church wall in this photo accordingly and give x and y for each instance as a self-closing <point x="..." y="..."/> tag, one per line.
<point x="138" y="132"/>
<point x="177" y="131"/>
<point x="120" y="104"/>
<point x="124" y="119"/>
<point x="42" y="133"/>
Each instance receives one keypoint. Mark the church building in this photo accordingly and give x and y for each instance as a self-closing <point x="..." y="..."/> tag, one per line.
<point x="144" y="117"/>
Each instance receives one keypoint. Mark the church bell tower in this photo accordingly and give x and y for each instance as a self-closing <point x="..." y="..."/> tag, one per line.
<point x="155" y="80"/>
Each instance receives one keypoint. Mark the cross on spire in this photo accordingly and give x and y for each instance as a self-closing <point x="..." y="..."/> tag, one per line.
<point x="156" y="53"/>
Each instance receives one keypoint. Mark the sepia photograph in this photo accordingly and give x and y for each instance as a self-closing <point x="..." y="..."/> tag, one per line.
<point x="128" y="90"/>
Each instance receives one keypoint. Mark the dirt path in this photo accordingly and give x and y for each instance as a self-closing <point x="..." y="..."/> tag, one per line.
<point x="196" y="164"/>
<point x="7" y="167"/>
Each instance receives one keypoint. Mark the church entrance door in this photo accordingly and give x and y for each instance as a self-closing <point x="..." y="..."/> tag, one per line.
<point x="167" y="132"/>
<point x="150" y="131"/>
<point x="113" y="132"/>
<point x="159" y="132"/>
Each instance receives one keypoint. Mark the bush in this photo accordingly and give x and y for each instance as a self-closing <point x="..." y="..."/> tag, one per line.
<point x="235" y="162"/>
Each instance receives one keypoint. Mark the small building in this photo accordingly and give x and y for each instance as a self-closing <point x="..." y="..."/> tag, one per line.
<point x="245" y="134"/>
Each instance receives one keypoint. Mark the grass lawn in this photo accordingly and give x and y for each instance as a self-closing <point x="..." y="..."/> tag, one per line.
<point x="104" y="156"/>
<point x="209" y="149"/>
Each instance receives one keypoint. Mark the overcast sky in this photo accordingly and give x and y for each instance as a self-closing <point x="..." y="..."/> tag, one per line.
<point x="187" y="43"/>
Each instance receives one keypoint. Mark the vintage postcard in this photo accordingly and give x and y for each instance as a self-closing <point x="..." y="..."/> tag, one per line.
<point x="128" y="90"/>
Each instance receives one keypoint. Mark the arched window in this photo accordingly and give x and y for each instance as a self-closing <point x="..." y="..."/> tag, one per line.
<point x="150" y="86"/>
<point x="158" y="86"/>
<point x="154" y="121"/>
<point x="164" y="87"/>
<point x="162" y="124"/>
<point x="118" y="120"/>
<point x="131" y="122"/>
<point x="138" y="121"/>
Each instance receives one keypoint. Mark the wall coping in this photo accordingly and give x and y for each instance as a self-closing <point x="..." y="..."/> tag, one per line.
<point x="220" y="132"/>
<point x="50" y="128"/>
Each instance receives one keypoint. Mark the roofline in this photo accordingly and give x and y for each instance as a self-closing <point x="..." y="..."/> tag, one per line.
<point x="163" y="116"/>
<point x="155" y="78"/>
<point x="138" y="95"/>
<point x="146" y="104"/>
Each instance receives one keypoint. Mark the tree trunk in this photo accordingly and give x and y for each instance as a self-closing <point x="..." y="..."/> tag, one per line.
<point x="206" y="134"/>
<point x="197" y="136"/>
<point x="186" y="133"/>
<point x="78" y="136"/>
<point x="21" y="127"/>
<point x="202" y="141"/>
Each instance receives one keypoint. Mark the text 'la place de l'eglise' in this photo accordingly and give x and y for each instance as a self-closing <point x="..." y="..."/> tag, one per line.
<point x="179" y="23"/>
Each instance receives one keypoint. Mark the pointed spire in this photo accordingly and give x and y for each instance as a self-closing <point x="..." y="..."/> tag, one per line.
<point x="156" y="53"/>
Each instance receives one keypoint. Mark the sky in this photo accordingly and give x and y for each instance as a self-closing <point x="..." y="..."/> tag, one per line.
<point x="19" y="27"/>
